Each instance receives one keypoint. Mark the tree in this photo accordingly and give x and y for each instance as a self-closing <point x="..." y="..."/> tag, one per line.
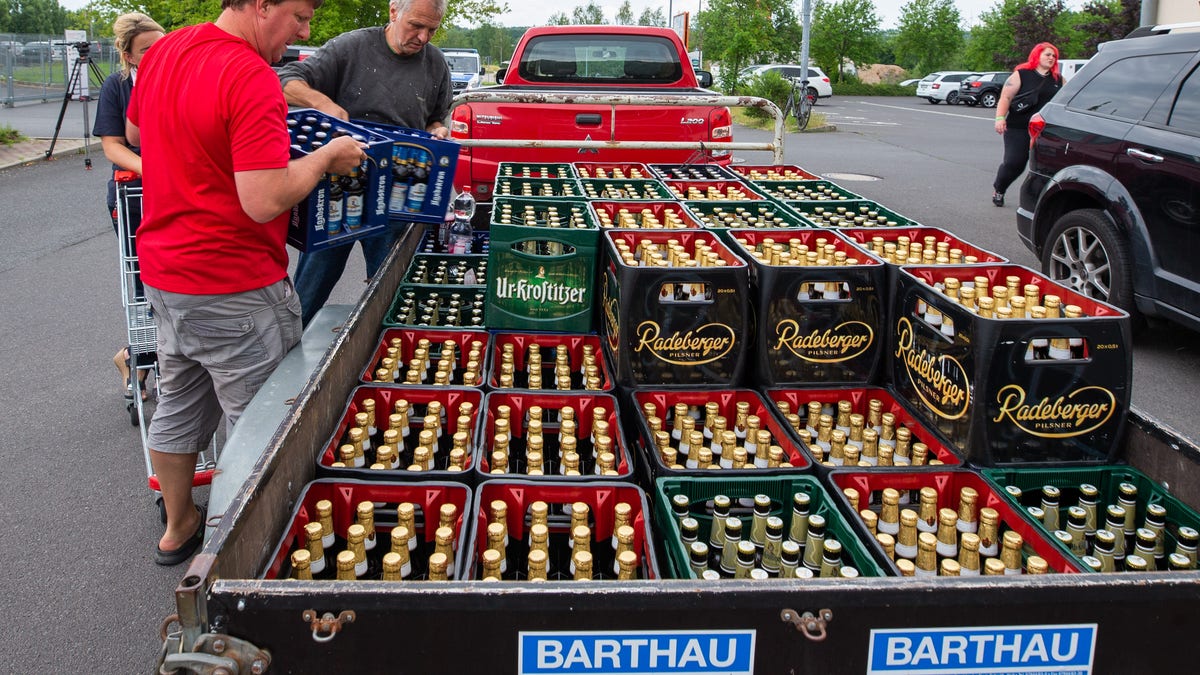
<point x="589" y="14"/>
<point x="1009" y="30"/>
<point x="652" y="17"/>
<point x="1104" y="20"/>
<point x="559" y="19"/>
<point x="929" y="37"/>
<point x="34" y="16"/>
<point x="742" y="32"/>
<point x="843" y="30"/>
<point x="624" y="15"/>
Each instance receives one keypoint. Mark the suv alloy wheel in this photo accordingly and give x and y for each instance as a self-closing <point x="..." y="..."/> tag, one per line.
<point x="1085" y="253"/>
<point x="988" y="100"/>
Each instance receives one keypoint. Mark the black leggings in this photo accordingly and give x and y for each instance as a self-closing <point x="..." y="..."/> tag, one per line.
<point x="1016" y="156"/>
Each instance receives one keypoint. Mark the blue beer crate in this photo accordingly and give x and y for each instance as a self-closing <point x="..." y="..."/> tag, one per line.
<point x="421" y="185"/>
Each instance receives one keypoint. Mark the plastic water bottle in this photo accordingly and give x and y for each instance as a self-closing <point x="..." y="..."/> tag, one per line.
<point x="461" y="233"/>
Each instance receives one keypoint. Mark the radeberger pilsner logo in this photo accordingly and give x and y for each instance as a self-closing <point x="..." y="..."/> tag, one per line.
<point x="691" y="348"/>
<point x="939" y="379"/>
<point x="840" y="343"/>
<point x="1079" y="412"/>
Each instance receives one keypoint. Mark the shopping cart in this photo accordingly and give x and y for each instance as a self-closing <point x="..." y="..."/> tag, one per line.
<point x="142" y="333"/>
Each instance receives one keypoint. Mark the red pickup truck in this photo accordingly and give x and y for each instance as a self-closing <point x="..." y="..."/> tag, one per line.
<point x="614" y="60"/>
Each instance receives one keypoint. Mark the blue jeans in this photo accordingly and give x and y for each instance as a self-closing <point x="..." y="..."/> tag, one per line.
<point x="317" y="272"/>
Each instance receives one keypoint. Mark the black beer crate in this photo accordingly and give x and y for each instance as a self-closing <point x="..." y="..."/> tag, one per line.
<point x="585" y="406"/>
<point x="815" y="324"/>
<point x="756" y="173"/>
<point x="696" y="400"/>
<point x="535" y="170"/>
<point x="418" y="399"/>
<point x="731" y="190"/>
<point x="547" y="343"/>
<point x="1023" y="487"/>
<point x="439" y="158"/>
<point x="668" y="215"/>
<point x="630" y="189"/>
<point x="309" y="227"/>
<point x="613" y="170"/>
<point x="435" y="269"/>
<point x="558" y="188"/>
<point x="988" y="385"/>
<point x="806" y="191"/>
<point x="406" y="341"/>
<point x="741" y="491"/>
<point x="675" y="326"/>
<point x="428" y="306"/>
<point x="601" y="500"/>
<point x="867" y="488"/>
<point x="427" y="497"/>
<point x="429" y="243"/>
<point x="797" y="401"/>
<point x="687" y="172"/>
<point x="846" y="213"/>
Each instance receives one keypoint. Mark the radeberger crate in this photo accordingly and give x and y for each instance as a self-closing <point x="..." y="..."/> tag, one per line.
<point x="406" y="341"/>
<point x="430" y="306"/>
<point x="547" y="346"/>
<point x="535" y="170"/>
<point x="847" y="213"/>
<point x="644" y="215"/>
<point x="428" y="501"/>
<point x="674" y="326"/>
<point x="669" y="411"/>
<point x="771" y="172"/>
<point x="799" y="501"/>
<point x="512" y="500"/>
<point x="860" y="496"/>
<point x="702" y="172"/>
<point x="625" y="190"/>
<point x="732" y="190"/>
<point x="613" y="170"/>
<point x="806" y="191"/>
<point x="906" y="439"/>
<point x="1077" y="502"/>
<point x="816" y="323"/>
<point x="541" y="271"/>
<point x="1006" y="391"/>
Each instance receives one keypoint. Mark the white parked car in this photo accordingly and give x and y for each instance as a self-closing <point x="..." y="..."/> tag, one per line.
<point x="941" y="86"/>
<point x="818" y="81"/>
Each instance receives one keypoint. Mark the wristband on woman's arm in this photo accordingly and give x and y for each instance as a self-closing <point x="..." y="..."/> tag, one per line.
<point x="1000" y="118"/>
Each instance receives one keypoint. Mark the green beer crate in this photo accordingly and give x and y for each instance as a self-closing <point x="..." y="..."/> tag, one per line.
<point x="805" y="190"/>
<point x="425" y="306"/>
<point x="538" y="187"/>
<point x="741" y="491"/>
<point x="446" y="270"/>
<point x="846" y="213"/>
<point x="625" y="190"/>
<point x="535" y="170"/>
<point x="540" y="276"/>
<point x="1023" y="487"/>
<point x="721" y="217"/>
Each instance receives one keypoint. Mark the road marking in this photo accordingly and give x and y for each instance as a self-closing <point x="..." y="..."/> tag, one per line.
<point x="861" y="121"/>
<point x="931" y="112"/>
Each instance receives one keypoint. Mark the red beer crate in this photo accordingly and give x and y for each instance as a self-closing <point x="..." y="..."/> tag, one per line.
<point x="874" y="240"/>
<point x="406" y="340"/>
<point x="674" y="326"/>
<point x="644" y="215"/>
<point x="1011" y="391"/>
<point x="613" y="170"/>
<point x="548" y="344"/>
<point x="860" y="400"/>
<point x="601" y="499"/>
<point x="756" y="173"/>
<point x="731" y="190"/>
<point x="418" y="399"/>
<point x="869" y="487"/>
<point x="428" y="498"/>
<point x="815" y="323"/>
<point x="727" y="401"/>
<point x="689" y="172"/>
<point x="585" y="407"/>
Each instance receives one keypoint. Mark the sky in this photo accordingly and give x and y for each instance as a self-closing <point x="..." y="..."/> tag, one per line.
<point x="536" y="12"/>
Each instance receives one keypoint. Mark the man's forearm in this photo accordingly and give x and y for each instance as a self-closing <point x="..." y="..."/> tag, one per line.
<point x="299" y="93"/>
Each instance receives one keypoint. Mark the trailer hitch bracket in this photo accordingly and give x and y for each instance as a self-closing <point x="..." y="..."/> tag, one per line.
<point x="812" y="626"/>
<point x="213" y="654"/>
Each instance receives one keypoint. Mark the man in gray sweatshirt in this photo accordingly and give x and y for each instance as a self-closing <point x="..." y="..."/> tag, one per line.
<point x="384" y="74"/>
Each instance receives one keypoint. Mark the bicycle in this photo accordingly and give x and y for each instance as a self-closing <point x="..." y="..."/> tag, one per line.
<point x="800" y="102"/>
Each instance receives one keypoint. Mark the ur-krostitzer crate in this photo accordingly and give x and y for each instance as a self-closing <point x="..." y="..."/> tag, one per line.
<point x="816" y="322"/>
<point x="1008" y="391"/>
<point x="674" y="326"/>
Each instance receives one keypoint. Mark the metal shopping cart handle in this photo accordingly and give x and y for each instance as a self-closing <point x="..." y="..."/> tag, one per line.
<point x="125" y="176"/>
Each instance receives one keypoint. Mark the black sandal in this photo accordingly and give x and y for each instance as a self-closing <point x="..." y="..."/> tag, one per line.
<point x="185" y="550"/>
<point x="998" y="198"/>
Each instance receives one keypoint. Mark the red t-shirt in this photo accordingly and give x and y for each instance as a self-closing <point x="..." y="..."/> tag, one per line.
<point x="207" y="105"/>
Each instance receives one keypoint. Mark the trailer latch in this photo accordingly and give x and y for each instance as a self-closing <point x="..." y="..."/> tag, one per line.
<point x="327" y="625"/>
<point x="213" y="654"/>
<point x="812" y="626"/>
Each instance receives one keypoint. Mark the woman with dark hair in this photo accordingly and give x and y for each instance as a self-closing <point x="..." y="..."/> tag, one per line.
<point x="1031" y="85"/>
<point x="133" y="34"/>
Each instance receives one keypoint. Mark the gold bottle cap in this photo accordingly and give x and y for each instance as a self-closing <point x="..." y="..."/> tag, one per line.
<point x="583" y="564"/>
<point x="581" y="535"/>
<point x="491" y="563"/>
<point x="301" y="558"/>
<point x="949" y="568"/>
<point x="400" y="536"/>
<point x="907" y="568"/>
<point x="438" y="563"/>
<point x="345" y="566"/>
<point x="539" y="533"/>
<point x="1036" y="565"/>
<point x="392" y="564"/>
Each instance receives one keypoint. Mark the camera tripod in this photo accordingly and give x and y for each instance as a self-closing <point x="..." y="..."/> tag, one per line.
<point x="83" y="67"/>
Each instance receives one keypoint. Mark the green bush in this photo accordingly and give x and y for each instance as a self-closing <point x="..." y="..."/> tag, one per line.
<point x="9" y="135"/>
<point x="771" y="86"/>
<point x="856" y="88"/>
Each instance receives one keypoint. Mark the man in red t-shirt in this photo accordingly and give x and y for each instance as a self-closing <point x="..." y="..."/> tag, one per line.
<point x="217" y="190"/>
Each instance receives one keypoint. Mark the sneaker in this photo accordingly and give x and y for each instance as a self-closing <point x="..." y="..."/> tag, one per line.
<point x="998" y="198"/>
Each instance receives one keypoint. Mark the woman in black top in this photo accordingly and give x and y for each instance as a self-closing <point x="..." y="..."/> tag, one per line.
<point x="1032" y="84"/>
<point x="133" y="34"/>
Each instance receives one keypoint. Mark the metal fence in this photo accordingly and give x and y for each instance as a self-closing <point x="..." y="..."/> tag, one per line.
<point x="38" y="67"/>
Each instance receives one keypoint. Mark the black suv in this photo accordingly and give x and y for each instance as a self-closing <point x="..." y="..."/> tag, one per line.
<point x="1111" y="203"/>
<point x="982" y="89"/>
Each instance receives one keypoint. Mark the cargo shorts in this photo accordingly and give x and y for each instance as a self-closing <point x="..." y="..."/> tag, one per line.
<point x="214" y="354"/>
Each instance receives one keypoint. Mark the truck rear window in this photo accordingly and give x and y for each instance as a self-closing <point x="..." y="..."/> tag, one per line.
<point x="600" y="59"/>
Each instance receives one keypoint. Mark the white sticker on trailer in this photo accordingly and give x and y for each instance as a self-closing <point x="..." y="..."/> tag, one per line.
<point x="1066" y="649"/>
<point x="724" y="652"/>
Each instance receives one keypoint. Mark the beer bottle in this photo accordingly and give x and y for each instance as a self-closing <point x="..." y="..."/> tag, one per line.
<point x="300" y="565"/>
<point x="814" y="542"/>
<point x="420" y="179"/>
<point x="698" y="557"/>
<point x="906" y="540"/>
<point x="989" y="532"/>
<point x="315" y="547"/>
<point x="1144" y="543"/>
<point x="926" y="555"/>
<point x="1050" y="497"/>
<point x="345" y="566"/>
<point x="1010" y="552"/>
<point x="335" y="219"/>
<point x="798" y="531"/>
<point x="401" y="171"/>
<point x="626" y="565"/>
<point x="968" y="554"/>
<point x="625" y="538"/>
<point x="536" y="562"/>
<point x="1104" y="550"/>
<point x="716" y="533"/>
<point x="729" y="551"/>
<point x="758" y="524"/>
<point x="744" y="560"/>
<point x="400" y="537"/>
<point x="355" y="194"/>
<point x="968" y="517"/>
<point x="947" y="533"/>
